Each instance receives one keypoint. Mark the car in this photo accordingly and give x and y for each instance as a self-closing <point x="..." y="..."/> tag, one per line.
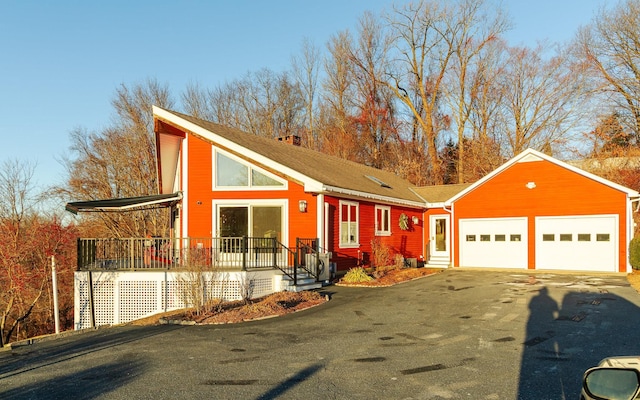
<point x="615" y="378"/>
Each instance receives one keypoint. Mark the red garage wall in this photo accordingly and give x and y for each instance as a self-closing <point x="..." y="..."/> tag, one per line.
<point x="558" y="191"/>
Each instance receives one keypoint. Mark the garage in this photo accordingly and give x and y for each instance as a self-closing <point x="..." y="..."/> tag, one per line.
<point x="493" y="242"/>
<point x="565" y="218"/>
<point x="579" y="243"/>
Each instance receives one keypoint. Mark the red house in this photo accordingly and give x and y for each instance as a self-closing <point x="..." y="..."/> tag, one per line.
<point x="534" y="212"/>
<point x="263" y="209"/>
<point x="236" y="184"/>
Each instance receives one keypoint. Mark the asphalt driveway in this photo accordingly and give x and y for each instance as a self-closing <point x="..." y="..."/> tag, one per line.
<point x="473" y="334"/>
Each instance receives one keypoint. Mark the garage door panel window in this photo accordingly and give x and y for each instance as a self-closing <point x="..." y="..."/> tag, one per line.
<point x="603" y="237"/>
<point x="566" y="237"/>
<point x="515" y="238"/>
<point x="485" y="238"/>
<point x="548" y="237"/>
<point x="584" y="237"/>
<point x="471" y="238"/>
<point x="500" y="238"/>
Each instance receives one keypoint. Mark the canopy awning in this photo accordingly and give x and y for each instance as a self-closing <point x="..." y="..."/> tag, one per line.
<point x="125" y="204"/>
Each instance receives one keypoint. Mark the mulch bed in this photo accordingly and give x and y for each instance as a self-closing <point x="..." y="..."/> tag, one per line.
<point x="394" y="277"/>
<point x="274" y="305"/>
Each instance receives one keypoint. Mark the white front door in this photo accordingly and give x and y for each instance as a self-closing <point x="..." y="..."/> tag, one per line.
<point x="439" y="239"/>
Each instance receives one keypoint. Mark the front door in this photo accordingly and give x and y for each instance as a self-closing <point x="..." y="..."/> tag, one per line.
<point x="439" y="239"/>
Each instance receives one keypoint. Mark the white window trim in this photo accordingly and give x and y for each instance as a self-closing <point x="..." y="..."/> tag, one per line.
<point x="216" y="204"/>
<point x="214" y="184"/>
<point x="356" y="244"/>
<point x="384" y="209"/>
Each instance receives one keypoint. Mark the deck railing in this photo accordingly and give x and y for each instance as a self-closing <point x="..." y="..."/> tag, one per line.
<point x="202" y="254"/>
<point x="242" y="253"/>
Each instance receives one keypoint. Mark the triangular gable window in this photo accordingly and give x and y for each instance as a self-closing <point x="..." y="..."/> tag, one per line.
<point x="230" y="172"/>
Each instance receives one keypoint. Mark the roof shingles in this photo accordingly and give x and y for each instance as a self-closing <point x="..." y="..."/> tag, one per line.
<point x="329" y="170"/>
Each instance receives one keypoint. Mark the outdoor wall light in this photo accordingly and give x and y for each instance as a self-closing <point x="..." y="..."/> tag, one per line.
<point x="302" y="206"/>
<point x="415" y="220"/>
<point x="530" y="185"/>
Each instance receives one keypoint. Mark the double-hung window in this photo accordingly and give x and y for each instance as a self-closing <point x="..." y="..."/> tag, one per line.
<point x="383" y="221"/>
<point x="349" y="224"/>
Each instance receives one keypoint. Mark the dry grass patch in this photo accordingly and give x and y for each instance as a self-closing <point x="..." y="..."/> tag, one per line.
<point x="634" y="279"/>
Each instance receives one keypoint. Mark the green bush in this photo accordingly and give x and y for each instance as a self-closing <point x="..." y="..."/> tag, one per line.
<point x="356" y="275"/>
<point x="634" y="252"/>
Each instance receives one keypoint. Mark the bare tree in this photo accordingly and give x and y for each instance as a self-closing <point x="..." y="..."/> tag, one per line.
<point x="120" y="161"/>
<point x="336" y="135"/>
<point x="305" y="69"/>
<point x="610" y="46"/>
<point x="29" y="240"/>
<point x="197" y="102"/>
<point x="374" y="119"/>
<point x="424" y="36"/>
<point x="541" y="99"/>
<point x="478" y="28"/>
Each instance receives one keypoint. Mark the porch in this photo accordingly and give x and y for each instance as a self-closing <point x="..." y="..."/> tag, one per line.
<point x="120" y="280"/>
<point x="204" y="254"/>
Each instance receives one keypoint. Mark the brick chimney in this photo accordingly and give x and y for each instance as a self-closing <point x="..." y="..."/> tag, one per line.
<point x="291" y="139"/>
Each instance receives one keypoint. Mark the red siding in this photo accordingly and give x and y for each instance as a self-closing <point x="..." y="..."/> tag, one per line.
<point x="201" y="196"/>
<point x="558" y="191"/>
<point x="199" y="189"/>
<point x="407" y="243"/>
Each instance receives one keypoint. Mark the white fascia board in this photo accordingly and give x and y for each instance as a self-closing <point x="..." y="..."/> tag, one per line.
<point x="310" y="185"/>
<point x="370" y="196"/>
<point x="530" y="152"/>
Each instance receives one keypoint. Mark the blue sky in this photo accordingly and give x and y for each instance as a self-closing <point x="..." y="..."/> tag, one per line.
<point x="61" y="61"/>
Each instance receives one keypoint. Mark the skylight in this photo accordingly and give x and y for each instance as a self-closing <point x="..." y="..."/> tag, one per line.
<point x="378" y="181"/>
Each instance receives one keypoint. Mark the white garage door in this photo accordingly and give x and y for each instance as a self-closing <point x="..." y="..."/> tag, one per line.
<point x="495" y="242"/>
<point x="579" y="243"/>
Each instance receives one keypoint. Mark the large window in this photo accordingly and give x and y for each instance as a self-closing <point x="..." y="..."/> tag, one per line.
<point x="232" y="173"/>
<point x="253" y="221"/>
<point x="383" y="221"/>
<point x="349" y="224"/>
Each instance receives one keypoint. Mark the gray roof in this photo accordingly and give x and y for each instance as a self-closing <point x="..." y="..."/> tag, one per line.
<point x="440" y="193"/>
<point x="329" y="170"/>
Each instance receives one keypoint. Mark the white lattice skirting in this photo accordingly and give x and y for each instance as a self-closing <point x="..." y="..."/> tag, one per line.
<point x="120" y="297"/>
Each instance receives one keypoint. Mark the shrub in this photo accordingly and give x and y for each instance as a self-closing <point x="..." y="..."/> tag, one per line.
<point x="634" y="252"/>
<point x="356" y="275"/>
<point x="380" y="254"/>
<point x="399" y="261"/>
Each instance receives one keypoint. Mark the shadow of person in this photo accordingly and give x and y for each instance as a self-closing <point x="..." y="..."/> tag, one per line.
<point x="561" y="343"/>
<point x="543" y="311"/>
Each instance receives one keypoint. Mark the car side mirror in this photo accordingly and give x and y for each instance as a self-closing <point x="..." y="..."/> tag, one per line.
<point x="611" y="383"/>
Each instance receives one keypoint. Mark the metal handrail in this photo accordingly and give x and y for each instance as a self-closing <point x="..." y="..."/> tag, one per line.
<point x="159" y="253"/>
<point x="229" y="253"/>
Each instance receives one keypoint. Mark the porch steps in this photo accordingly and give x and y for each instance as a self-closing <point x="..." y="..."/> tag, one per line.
<point x="305" y="282"/>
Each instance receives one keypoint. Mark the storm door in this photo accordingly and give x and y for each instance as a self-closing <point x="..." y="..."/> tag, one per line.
<point x="438" y="238"/>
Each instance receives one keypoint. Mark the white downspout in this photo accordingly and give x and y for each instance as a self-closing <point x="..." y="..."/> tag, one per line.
<point x="320" y="222"/>
<point x="452" y="241"/>
<point x="630" y="227"/>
